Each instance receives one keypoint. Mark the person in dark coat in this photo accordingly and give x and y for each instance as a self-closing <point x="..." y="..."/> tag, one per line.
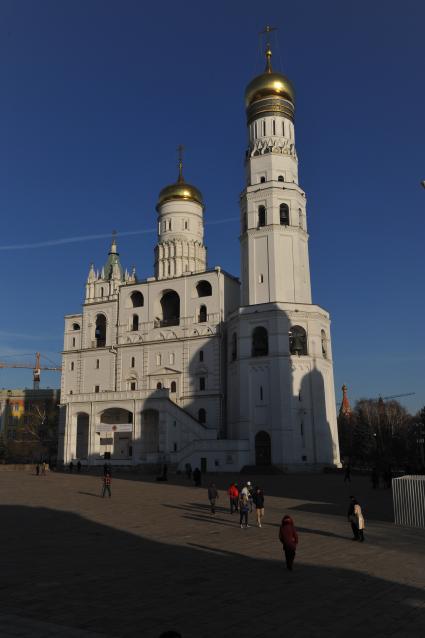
<point x="78" y="467"/>
<point x="347" y="474"/>
<point x="289" y="538"/>
<point x="258" y="498"/>
<point x="197" y="477"/>
<point x="351" y="517"/>
<point x="71" y="466"/>
<point x="213" y="496"/>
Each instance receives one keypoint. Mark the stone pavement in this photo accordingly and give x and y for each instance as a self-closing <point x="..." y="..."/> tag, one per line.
<point x="154" y="558"/>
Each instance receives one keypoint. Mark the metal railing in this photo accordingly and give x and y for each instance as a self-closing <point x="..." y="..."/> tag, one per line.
<point x="409" y="501"/>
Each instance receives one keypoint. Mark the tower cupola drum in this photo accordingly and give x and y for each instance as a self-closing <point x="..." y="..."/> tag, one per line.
<point x="180" y="249"/>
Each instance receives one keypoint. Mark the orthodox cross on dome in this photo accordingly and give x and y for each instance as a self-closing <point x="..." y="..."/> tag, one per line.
<point x="268" y="29"/>
<point x="180" y="150"/>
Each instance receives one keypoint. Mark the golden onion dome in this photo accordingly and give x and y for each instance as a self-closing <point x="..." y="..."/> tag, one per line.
<point x="180" y="190"/>
<point x="269" y="84"/>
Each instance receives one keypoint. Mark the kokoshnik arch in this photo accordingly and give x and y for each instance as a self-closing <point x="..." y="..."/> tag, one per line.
<point x="192" y="365"/>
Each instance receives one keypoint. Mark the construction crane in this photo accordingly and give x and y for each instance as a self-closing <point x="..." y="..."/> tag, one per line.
<point x="393" y="396"/>
<point x="36" y="369"/>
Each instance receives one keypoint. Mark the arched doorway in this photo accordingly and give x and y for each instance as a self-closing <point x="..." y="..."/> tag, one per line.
<point x="263" y="448"/>
<point x="150" y="432"/>
<point x="117" y="440"/>
<point x="82" y="446"/>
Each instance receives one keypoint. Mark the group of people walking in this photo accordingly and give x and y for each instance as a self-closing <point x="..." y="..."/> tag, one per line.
<point x="243" y="501"/>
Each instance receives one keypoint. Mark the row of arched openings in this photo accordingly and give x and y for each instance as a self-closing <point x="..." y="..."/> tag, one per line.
<point x="260" y="342"/>
<point x="283" y="215"/>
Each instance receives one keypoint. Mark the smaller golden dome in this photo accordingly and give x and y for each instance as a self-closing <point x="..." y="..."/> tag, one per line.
<point x="269" y="84"/>
<point x="180" y="190"/>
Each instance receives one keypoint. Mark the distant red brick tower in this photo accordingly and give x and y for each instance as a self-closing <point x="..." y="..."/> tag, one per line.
<point x="345" y="409"/>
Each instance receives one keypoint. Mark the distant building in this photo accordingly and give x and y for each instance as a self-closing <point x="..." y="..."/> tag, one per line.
<point x="192" y="365"/>
<point x="29" y="420"/>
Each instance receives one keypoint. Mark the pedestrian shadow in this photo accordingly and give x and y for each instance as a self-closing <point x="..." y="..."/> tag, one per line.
<point x="195" y="507"/>
<point x="210" y="519"/>
<point x="90" y="494"/>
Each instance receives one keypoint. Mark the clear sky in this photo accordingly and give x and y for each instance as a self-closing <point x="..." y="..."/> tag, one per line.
<point x="97" y="94"/>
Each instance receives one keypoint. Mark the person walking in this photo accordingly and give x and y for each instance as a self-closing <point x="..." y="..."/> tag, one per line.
<point x="79" y="467"/>
<point x="375" y="478"/>
<point x="358" y="514"/>
<point x="213" y="496"/>
<point x="352" y="518"/>
<point x="197" y="477"/>
<point x="258" y="498"/>
<point x="106" y="487"/>
<point x="71" y="467"/>
<point x="243" y="510"/>
<point x="289" y="538"/>
<point x="37" y="469"/>
<point x="347" y="474"/>
<point x="233" y="497"/>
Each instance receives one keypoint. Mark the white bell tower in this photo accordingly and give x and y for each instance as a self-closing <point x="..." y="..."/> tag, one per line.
<point x="274" y="240"/>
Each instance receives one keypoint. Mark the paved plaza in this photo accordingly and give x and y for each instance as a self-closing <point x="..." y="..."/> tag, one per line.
<point x="153" y="558"/>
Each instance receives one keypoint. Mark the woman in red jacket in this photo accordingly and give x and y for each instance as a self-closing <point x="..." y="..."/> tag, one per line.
<point x="289" y="538"/>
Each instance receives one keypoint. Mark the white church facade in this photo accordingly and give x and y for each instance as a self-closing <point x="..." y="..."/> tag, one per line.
<point x="192" y="365"/>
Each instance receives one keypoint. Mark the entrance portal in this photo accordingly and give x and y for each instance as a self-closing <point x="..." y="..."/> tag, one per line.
<point x="263" y="448"/>
<point x="119" y="434"/>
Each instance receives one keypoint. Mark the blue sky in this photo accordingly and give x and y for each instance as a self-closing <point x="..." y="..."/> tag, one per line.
<point x="98" y="94"/>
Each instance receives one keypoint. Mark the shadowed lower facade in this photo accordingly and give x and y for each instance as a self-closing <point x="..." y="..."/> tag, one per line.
<point x="192" y="365"/>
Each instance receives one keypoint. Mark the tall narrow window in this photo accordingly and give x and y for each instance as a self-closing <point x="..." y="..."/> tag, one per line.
<point x="284" y="214"/>
<point x="202" y="415"/>
<point x="274" y="127"/>
<point x="261" y="216"/>
<point x="133" y="362"/>
<point x="201" y="355"/>
<point x="202" y="314"/>
<point x="158" y="359"/>
<point x="173" y="387"/>
<point x="260" y="342"/>
<point x="72" y="365"/>
<point x="202" y="383"/>
<point x="100" y="331"/>
<point x="135" y="322"/>
<point x="169" y="224"/>
<point x="261" y="392"/>
<point x="234" y="346"/>
<point x="172" y="358"/>
<point x="73" y="342"/>
<point x="97" y="388"/>
<point x="133" y="385"/>
<point x="324" y="344"/>
<point x="97" y="363"/>
<point x="255" y="129"/>
<point x="264" y="127"/>
<point x="101" y="291"/>
<point x="283" y="128"/>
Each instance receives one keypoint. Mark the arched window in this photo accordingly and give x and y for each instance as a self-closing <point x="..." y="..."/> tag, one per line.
<point x="137" y="300"/>
<point x="202" y="415"/>
<point x="173" y="387"/>
<point x="135" y="322"/>
<point x="324" y="344"/>
<point x="201" y="355"/>
<point x="75" y="326"/>
<point x="202" y="314"/>
<point x="100" y="331"/>
<point x="159" y="386"/>
<point x="284" y="214"/>
<point x="170" y="304"/>
<point x="204" y="289"/>
<point x="298" y="341"/>
<point x="261" y="216"/>
<point x="234" y="346"/>
<point x="280" y="178"/>
<point x="260" y="342"/>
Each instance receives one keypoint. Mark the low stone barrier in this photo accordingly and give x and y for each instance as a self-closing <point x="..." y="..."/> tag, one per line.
<point x="409" y="501"/>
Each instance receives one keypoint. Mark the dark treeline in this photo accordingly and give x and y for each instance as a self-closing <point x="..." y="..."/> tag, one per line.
<point x="378" y="434"/>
